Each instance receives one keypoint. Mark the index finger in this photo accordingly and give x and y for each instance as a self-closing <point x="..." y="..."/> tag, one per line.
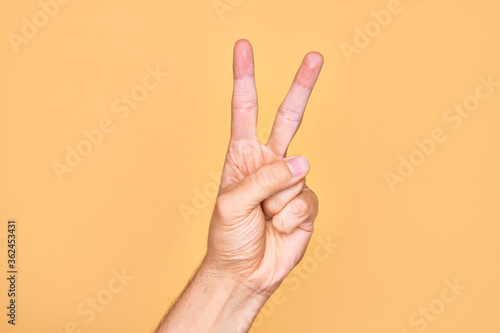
<point x="291" y="110"/>
<point x="244" y="100"/>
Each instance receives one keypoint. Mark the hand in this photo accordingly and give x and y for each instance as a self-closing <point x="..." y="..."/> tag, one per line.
<point x="264" y="214"/>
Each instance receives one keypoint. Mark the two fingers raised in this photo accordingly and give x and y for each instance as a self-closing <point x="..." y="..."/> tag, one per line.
<point x="244" y="106"/>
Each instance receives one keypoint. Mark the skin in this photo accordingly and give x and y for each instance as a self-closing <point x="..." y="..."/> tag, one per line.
<point x="264" y="214"/>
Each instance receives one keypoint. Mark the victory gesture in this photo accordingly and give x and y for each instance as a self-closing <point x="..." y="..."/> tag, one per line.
<point x="264" y="214"/>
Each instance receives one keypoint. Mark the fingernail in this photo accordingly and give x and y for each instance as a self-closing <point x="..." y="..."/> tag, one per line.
<point x="298" y="165"/>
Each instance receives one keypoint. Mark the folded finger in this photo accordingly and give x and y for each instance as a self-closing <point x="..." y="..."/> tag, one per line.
<point x="277" y="202"/>
<point x="300" y="210"/>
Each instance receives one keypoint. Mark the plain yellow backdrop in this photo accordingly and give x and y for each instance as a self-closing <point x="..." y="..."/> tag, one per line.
<point x="141" y="200"/>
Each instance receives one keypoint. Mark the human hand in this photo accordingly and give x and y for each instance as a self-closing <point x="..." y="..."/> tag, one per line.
<point x="264" y="214"/>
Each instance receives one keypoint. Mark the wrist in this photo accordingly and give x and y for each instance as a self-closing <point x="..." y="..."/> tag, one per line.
<point x="237" y="302"/>
<point x="242" y="288"/>
<point x="246" y="281"/>
<point x="221" y="304"/>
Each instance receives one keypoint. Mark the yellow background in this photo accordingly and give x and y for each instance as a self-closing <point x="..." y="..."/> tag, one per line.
<point x="121" y="207"/>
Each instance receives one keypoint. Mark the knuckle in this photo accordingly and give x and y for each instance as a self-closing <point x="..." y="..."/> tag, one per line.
<point x="276" y="146"/>
<point x="244" y="104"/>
<point x="314" y="202"/>
<point x="279" y="224"/>
<point x="290" y="113"/>
<point x="302" y="84"/>
<point x="315" y="205"/>
<point x="299" y="209"/>
<point x="222" y="205"/>
<point x="270" y="206"/>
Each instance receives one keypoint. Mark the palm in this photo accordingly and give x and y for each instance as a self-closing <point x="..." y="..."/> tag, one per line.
<point x="251" y="240"/>
<point x="269" y="253"/>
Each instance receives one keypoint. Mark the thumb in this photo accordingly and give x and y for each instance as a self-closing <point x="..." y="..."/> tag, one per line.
<point x="267" y="181"/>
